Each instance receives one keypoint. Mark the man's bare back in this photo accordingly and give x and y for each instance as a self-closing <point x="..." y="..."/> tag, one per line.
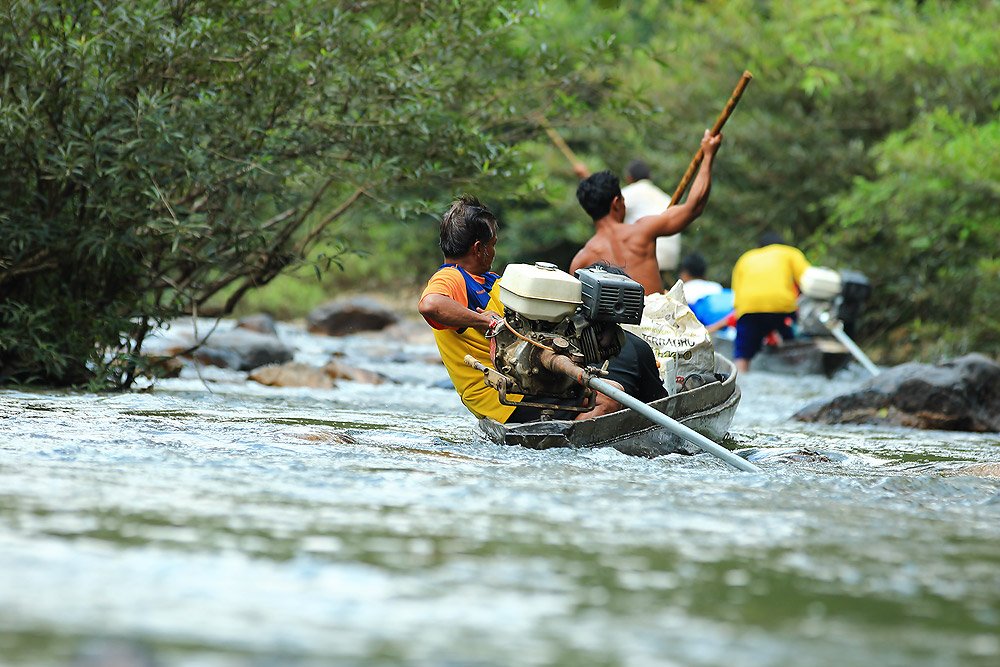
<point x="621" y="245"/>
<point x="633" y="247"/>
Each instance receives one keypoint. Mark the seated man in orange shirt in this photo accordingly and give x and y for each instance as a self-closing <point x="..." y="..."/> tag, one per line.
<point x="461" y="302"/>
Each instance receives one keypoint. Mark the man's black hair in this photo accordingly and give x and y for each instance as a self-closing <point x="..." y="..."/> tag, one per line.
<point x="770" y="238"/>
<point x="637" y="170"/>
<point x="694" y="264"/>
<point x="608" y="267"/>
<point x="596" y="192"/>
<point x="466" y="221"/>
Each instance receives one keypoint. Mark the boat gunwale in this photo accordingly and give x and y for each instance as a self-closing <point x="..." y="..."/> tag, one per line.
<point x="568" y="430"/>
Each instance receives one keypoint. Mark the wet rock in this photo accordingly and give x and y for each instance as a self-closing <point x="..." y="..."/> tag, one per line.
<point x="797" y="455"/>
<point x="163" y="367"/>
<point x="340" y="370"/>
<point x="962" y="394"/>
<point x="292" y="374"/>
<point x="239" y="349"/>
<point x="411" y="332"/>
<point x="446" y="383"/>
<point x="347" y="316"/>
<point x="978" y="470"/>
<point x="261" y="323"/>
<point x="326" y="438"/>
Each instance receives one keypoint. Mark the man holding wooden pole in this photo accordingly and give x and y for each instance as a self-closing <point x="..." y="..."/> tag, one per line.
<point x="633" y="247"/>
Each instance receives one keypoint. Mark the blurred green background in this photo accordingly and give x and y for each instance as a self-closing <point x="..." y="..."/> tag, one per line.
<point x="869" y="137"/>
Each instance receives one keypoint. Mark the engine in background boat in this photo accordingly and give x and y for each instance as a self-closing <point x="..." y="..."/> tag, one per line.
<point x="827" y="295"/>
<point x="548" y="311"/>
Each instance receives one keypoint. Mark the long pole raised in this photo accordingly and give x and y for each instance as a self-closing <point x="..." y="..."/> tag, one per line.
<point x="719" y="122"/>
<point x="557" y="139"/>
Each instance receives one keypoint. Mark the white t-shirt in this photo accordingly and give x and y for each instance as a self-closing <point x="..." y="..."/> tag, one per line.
<point x="642" y="198"/>
<point x="696" y="289"/>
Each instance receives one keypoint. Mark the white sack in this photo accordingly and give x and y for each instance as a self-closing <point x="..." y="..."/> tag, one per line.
<point x="680" y="342"/>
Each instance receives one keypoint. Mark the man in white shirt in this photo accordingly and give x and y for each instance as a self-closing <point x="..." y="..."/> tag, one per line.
<point x="643" y="198"/>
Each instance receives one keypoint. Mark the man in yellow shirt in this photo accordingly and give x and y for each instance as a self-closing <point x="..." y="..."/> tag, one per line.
<point x="462" y="303"/>
<point x="765" y="294"/>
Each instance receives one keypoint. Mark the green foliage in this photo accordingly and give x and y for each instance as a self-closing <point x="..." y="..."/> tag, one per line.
<point x="164" y="158"/>
<point x="832" y="81"/>
<point x="926" y="226"/>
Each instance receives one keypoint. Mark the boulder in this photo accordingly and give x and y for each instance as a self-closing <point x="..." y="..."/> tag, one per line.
<point x="961" y="394"/>
<point x="347" y="316"/>
<point x="163" y="367"/>
<point x="261" y="323"/>
<point x="339" y="370"/>
<point x="240" y="349"/>
<point x="977" y="470"/>
<point x="292" y="374"/>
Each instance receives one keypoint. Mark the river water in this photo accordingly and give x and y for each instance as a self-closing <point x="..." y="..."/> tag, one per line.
<point x="217" y="522"/>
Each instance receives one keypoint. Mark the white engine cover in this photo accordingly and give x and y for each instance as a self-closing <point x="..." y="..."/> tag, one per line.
<point x="820" y="283"/>
<point x="539" y="291"/>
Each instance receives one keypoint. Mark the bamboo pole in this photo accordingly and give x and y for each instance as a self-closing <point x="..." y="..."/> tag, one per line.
<point x="720" y="121"/>
<point x="557" y="140"/>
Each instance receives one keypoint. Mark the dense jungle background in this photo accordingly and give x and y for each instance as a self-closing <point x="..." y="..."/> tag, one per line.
<point x="206" y="156"/>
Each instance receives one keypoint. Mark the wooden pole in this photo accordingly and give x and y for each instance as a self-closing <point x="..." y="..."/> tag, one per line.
<point x="557" y="140"/>
<point x="720" y="121"/>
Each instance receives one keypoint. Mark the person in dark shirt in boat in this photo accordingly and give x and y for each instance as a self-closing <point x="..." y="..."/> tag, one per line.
<point x="765" y="294"/>
<point x="461" y="302"/>
<point x="633" y="247"/>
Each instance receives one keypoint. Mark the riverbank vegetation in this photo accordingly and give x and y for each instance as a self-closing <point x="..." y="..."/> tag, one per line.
<point x="187" y="157"/>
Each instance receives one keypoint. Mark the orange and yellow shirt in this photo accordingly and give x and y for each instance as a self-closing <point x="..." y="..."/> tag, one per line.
<point x="481" y="400"/>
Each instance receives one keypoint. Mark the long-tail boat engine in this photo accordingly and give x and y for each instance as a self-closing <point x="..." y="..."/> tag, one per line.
<point x="829" y="296"/>
<point x="555" y="325"/>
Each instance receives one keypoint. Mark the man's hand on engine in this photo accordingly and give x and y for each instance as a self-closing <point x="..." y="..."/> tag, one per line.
<point x="492" y="324"/>
<point x="496" y="326"/>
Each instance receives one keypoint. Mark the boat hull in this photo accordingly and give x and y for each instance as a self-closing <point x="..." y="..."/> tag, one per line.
<point x="799" y="356"/>
<point x="709" y="410"/>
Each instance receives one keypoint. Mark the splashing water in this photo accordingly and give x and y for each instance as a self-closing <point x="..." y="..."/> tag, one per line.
<point x="213" y="521"/>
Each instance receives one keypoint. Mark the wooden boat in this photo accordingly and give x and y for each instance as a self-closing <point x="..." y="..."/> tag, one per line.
<point x="708" y="409"/>
<point x="812" y="355"/>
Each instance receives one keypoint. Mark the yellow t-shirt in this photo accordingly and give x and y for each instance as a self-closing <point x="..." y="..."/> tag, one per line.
<point x="481" y="400"/>
<point x="765" y="280"/>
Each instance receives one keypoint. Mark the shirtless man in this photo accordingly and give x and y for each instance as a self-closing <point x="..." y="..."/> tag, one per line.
<point x="633" y="247"/>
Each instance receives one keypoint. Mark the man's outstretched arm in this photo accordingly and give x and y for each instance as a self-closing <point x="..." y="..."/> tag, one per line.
<point x="677" y="217"/>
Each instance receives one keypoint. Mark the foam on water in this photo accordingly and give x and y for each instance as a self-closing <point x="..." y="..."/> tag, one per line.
<point x="212" y="521"/>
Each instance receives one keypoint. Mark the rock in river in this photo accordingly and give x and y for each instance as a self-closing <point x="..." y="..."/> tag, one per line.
<point x="295" y="374"/>
<point x="347" y="316"/>
<point x="961" y="394"/>
<point x="239" y="349"/>
<point x="292" y="374"/>
<point x="260" y="322"/>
